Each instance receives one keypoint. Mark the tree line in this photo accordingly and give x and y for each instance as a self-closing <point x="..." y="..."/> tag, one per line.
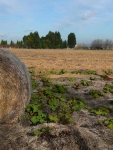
<point x="97" y="44"/>
<point x="52" y="40"/>
<point x="100" y="44"/>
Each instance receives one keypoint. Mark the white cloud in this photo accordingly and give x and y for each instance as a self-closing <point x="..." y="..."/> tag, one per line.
<point x="89" y="15"/>
<point x="29" y="30"/>
<point x="2" y="35"/>
<point x="23" y="8"/>
<point x="94" y="12"/>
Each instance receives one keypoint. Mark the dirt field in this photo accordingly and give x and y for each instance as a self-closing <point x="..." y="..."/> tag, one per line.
<point x="70" y="60"/>
<point x="86" y="133"/>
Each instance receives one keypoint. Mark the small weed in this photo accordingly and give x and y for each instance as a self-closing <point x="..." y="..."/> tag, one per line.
<point x="77" y="104"/>
<point x="103" y="110"/>
<point x="63" y="71"/>
<point x="93" y="78"/>
<point x="32" y="72"/>
<point x="107" y="122"/>
<point x="50" y="72"/>
<point x="82" y="83"/>
<point x="47" y="92"/>
<point x="53" y="104"/>
<point x="107" y="72"/>
<point x="34" y="97"/>
<point x="35" y="83"/>
<point x="37" y="132"/>
<point x="53" y="118"/>
<point x="77" y="86"/>
<point x="108" y="88"/>
<point x="75" y="72"/>
<point x="96" y="93"/>
<point x="58" y="88"/>
<point x="86" y="83"/>
<point x="40" y="118"/>
<point x="43" y="131"/>
<point x="46" y="81"/>
<point x="91" y="72"/>
<point x="71" y="79"/>
<point x="42" y="72"/>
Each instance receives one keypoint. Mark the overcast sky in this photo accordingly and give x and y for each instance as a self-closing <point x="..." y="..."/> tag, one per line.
<point x="88" y="19"/>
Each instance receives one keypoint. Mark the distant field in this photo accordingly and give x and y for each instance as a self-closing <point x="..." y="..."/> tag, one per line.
<point x="70" y="60"/>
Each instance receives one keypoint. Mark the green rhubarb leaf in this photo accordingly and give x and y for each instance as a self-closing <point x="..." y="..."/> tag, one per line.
<point x="53" y="104"/>
<point x="34" y="120"/>
<point x="110" y="126"/>
<point x="53" y="118"/>
<point x="35" y="108"/>
<point x="46" y="129"/>
<point x="37" y="132"/>
<point x="76" y="108"/>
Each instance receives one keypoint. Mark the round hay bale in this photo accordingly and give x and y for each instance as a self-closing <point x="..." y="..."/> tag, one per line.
<point x="15" y="87"/>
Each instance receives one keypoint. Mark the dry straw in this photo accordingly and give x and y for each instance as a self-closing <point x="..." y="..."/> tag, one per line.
<point x="14" y="87"/>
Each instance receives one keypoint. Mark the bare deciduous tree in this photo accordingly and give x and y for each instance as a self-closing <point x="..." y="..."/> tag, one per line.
<point x="108" y="44"/>
<point x="97" y="44"/>
<point x="100" y="44"/>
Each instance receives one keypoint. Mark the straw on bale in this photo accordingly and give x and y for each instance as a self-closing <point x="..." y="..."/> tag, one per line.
<point x="15" y="87"/>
